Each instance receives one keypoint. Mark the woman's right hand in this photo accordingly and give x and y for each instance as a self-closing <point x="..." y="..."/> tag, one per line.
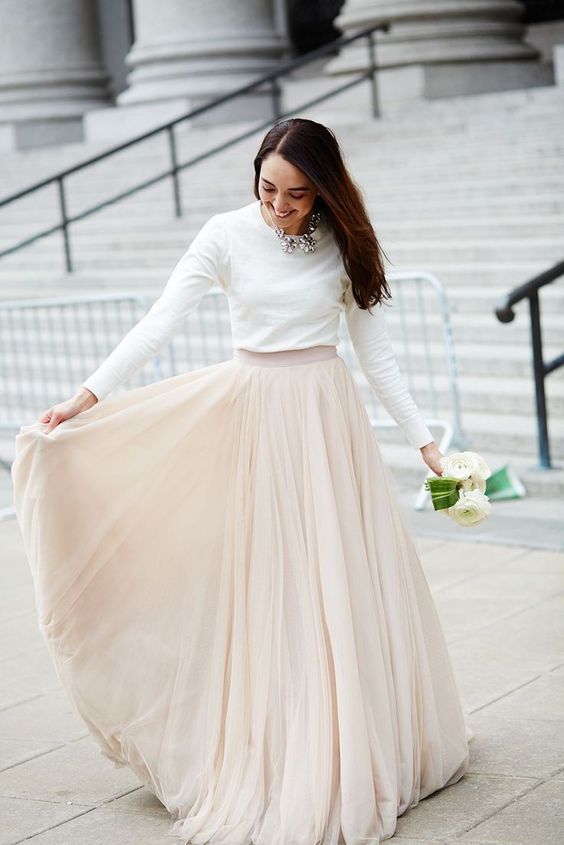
<point x="82" y="400"/>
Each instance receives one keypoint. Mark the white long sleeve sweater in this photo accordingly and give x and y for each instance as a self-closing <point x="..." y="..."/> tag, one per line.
<point x="277" y="301"/>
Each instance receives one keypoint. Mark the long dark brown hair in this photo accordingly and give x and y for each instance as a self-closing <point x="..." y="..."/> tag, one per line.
<point x="314" y="149"/>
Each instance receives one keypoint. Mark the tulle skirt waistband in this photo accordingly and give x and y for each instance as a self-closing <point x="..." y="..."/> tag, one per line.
<point x="285" y="357"/>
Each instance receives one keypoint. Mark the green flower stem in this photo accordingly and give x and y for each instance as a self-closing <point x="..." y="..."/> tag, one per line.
<point x="444" y="491"/>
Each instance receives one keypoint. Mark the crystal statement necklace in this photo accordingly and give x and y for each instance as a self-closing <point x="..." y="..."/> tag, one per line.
<point x="305" y="242"/>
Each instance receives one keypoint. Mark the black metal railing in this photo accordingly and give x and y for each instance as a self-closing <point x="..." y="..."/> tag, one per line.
<point x="541" y="368"/>
<point x="270" y="79"/>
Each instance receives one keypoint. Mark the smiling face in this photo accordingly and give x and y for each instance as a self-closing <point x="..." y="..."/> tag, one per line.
<point x="287" y="193"/>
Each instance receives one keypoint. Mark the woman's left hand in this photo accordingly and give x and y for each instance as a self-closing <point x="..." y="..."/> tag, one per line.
<point x="431" y="454"/>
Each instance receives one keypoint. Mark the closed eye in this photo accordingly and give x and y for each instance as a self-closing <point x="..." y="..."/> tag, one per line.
<point x="294" y="196"/>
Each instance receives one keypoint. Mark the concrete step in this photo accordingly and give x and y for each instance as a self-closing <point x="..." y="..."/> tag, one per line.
<point x="461" y="110"/>
<point x="503" y="433"/>
<point x="426" y="178"/>
<point x="468" y="327"/>
<point x="483" y="230"/>
<point x="531" y="157"/>
<point x="457" y="145"/>
<point x="469" y="114"/>
<point x="411" y="232"/>
<point x="480" y="298"/>
<point x="462" y="212"/>
<point x="519" y="256"/>
<point x="463" y="219"/>
<point x="391" y="135"/>
<point x="427" y="181"/>
<point x="495" y="278"/>
<point x="541" y="252"/>
<point x="146" y="231"/>
<point x="40" y="163"/>
<point x="475" y="359"/>
<point x="441" y="190"/>
<point x="547" y="250"/>
<point x="534" y="129"/>
<point x="460" y="150"/>
<point x="488" y="394"/>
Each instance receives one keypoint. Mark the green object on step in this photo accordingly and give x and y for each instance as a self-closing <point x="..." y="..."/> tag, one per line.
<point x="504" y="484"/>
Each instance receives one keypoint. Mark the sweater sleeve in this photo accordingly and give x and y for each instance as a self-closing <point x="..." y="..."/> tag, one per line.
<point x="373" y="348"/>
<point x="202" y="265"/>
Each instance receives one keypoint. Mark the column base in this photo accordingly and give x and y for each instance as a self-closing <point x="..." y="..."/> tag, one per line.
<point x="254" y="106"/>
<point x="33" y="134"/>
<point x="398" y="87"/>
<point x="558" y="54"/>
<point x="122" y="122"/>
<point x="257" y="104"/>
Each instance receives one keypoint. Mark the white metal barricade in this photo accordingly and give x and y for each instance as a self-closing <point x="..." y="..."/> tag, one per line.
<point x="48" y="346"/>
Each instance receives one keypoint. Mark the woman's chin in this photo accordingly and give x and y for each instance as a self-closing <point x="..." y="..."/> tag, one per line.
<point x="286" y="220"/>
<point x="292" y="222"/>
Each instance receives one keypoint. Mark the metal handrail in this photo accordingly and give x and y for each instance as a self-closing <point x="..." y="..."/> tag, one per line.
<point x="541" y="368"/>
<point x="172" y="172"/>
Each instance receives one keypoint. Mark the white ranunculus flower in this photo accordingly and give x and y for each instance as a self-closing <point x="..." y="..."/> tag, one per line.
<point x="459" y="465"/>
<point x="482" y="470"/>
<point x="472" y="507"/>
<point x="473" y="483"/>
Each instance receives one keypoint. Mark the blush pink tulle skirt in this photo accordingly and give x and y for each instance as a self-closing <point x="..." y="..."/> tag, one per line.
<point x="233" y="600"/>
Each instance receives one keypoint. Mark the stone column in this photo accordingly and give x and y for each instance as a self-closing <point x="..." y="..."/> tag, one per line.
<point x="194" y="52"/>
<point x="440" y="48"/>
<point x="50" y="70"/>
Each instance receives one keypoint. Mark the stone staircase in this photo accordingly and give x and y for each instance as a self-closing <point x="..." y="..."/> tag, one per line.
<point x="470" y="189"/>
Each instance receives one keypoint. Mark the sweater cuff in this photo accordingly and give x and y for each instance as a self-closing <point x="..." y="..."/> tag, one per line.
<point x="97" y="387"/>
<point x="416" y="432"/>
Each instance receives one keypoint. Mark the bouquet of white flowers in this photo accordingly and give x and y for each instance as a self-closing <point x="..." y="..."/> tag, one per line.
<point x="459" y="491"/>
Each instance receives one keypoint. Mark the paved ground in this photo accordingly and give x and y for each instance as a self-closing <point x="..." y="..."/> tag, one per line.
<point x="533" y="522"/>
<point x="502" y="609"/>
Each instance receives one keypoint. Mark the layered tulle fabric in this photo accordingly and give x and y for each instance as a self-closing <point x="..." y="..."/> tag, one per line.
<point x="233" y="600"/>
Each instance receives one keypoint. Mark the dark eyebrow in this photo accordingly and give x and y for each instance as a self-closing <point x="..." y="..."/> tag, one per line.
<point x="305" y="188"/>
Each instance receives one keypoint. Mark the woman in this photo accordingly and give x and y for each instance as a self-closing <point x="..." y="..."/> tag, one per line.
<point x="224" y="576"/>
